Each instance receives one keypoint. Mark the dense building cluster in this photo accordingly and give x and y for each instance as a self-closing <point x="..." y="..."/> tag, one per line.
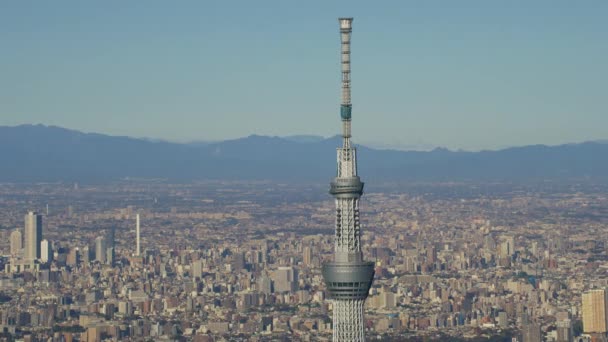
<point x="242" y="261"/>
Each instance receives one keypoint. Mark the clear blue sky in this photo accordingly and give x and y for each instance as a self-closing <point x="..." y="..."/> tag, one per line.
<point x="460" y="74"/>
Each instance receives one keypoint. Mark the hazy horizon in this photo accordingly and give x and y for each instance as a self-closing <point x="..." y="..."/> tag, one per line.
<point x="308" y="137"/>
<point x="472" y="75"/>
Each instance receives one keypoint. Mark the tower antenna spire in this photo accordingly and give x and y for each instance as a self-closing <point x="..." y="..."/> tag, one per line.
<point x="346" y="28"/>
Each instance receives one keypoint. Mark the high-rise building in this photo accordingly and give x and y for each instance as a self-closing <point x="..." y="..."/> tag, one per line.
<point x="238" y="262"/>
<point x="197" y="269"/>
<point x="33" y="236"/>
<point x="507" y="247"/>
<point x="86" y="254"/>
<point x="502" y="320"/>
<point x="534" y="248"/>
<point x="531" y="333"/>
<point x="46" y="251"/>
<point x="100" y="249"/>
<point x="307" y="255"/>
<point x="16" y="242"/>
<point x="348" y="277"/>
<point x="265" y="284"/>
<point x="72" y="257"/>
<point x="565" y="333"/>
<point x="110" y="247"/>
<point x="594" y="311"/>
<point x="137" y="246"/>
<point x="285" y="279"/>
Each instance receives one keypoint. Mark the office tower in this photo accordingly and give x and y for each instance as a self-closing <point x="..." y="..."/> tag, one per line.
<point x="110" y="247"/>
<point x="137" y="250"/>
<point x="531" y="333"/>
<point x="33" y="236"/>
<point x="502" y="320"/>
<point x="238" y="262"/>
<point x="307" y="255"/>
<point x="46" y="251"/>
<point x="565" y="332"/>
<point x="431" y="254"/>
<point x="594" y="311"/>
<point x="489" y="242"/>
<point x="72" y="257"/>
<point x="100" y="249"/>
<point x="85" y="255"/>
<point x="265" y="284"/>
<point x="534" y="248"/>
<point x="507" y="247"/>
<point x="197" y="269"/>
<point x="348" y="277"/>
<point x="110" y="256"/>
<point x="285" y="279"/>
<point x="265" y="254"/>
<point x="16" y="242"/>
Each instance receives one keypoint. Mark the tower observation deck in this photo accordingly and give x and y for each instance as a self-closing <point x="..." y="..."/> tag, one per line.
<point x="348" y="277"/>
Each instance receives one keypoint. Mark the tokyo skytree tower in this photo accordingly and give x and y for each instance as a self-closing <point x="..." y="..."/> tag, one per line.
<point x="348" y="278"/>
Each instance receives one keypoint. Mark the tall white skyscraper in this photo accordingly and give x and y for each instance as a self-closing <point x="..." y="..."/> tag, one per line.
<point x="46" y="251"/>
<point x="137" y="250"/>
<point x="33" y="236"/>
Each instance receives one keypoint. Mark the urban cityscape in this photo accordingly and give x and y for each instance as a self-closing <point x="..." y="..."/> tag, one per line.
<point x="239" y="240"/>
<point x="243" y="261"/>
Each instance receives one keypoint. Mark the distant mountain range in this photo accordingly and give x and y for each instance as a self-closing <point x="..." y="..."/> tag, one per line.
<point x="37" y="153"/>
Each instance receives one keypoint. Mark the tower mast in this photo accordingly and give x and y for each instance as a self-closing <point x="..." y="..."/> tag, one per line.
<point x="348" y="278"/>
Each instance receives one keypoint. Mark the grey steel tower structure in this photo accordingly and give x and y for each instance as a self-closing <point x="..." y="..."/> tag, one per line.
<point x="348" y="277"/>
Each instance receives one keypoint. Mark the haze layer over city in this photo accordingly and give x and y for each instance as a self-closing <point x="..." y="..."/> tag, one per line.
<point x="202" y="172"/>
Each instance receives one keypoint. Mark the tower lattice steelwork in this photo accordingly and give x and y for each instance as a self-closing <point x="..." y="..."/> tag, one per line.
<point x="348" y="277"/>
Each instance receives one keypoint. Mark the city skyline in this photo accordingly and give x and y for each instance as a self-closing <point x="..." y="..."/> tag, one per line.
<point x="194" y="233"/>
<point x="451" y="261"/>
<point x="473" y="76"/>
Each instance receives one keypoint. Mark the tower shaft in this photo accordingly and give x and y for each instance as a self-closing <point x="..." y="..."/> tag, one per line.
<point x="348" y="277"/>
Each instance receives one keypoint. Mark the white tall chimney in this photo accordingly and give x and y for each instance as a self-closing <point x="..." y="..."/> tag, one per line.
<point x="137" y="252"/>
